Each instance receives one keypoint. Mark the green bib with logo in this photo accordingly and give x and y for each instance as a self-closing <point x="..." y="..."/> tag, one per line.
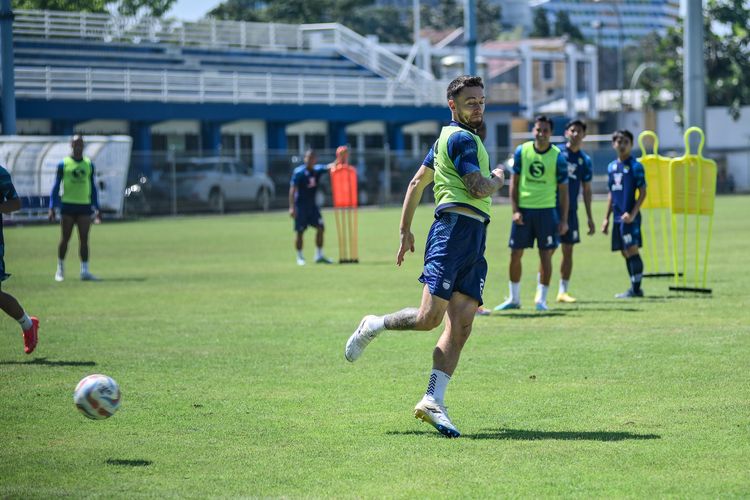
<point x="76" y="181"/>
<point x="538" y="183"/>
<point x="449" y="188"/>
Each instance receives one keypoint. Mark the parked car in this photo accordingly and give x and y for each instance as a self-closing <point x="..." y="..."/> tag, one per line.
<point x="222" y="182"/>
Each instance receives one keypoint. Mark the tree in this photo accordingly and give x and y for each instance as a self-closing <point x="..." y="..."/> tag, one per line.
<point x="564" y="27"/>
<point x="726" y="54"/>
<point x="540" y="27"/>
<point x="151" y="8"/>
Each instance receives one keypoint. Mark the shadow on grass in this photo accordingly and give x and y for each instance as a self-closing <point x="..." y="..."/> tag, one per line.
<point x="524" y="435"/>
<point x="136" y="279"/>
<point x="604" y="309"/>
<point x="128" y="463"/>
<point x="48" y="362"/>
<point x="527" y="435"/>
<point x="536" y="314"/>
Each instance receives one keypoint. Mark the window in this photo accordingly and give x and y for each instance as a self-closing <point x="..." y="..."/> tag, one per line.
<point x="548" y="71"/>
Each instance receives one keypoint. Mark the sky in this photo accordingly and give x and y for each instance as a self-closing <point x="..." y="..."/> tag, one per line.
<point x="191" y="10"/>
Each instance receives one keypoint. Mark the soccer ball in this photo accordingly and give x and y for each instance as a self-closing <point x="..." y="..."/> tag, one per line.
<point x="97" y="396"/>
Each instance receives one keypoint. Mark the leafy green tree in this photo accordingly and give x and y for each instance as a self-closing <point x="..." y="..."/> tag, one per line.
<point x="726" y="54"/>
<point x="153" y="8"/>
<point x="564" y="27"/>
<point x="540" y="27"/>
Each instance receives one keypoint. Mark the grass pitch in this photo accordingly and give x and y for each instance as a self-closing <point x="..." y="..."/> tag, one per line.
<point x="230" y="360"/>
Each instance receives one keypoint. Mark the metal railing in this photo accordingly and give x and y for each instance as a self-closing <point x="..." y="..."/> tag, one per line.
<point x="401" y="83"/>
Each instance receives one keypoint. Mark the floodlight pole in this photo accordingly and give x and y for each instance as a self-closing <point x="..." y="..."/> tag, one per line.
<point x="470" y="36"/>
<point x="694" y="74"/>
<point x="8" y="78"/>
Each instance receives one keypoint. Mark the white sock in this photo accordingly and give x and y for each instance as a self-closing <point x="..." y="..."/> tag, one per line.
<point x="300" y="255"/>
<point x="437" y="385"/>
<point x="376" y="323"/>
<point x="25" y="322"/>
<point x="84" y="267"/>
<point x="538" y="278"/>
<point x="318" y="252"/>
<point x="543" y="293"/>
<point x="515" y="292"/>
<point x="60" y="265"/>
<point x="564" y="286"/>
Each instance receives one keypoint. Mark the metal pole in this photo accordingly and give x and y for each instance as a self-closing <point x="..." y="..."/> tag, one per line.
<point x="620" y="63"/>
<point x="470" y="37"/>
<point x="694" y="83"/>
<point x="417" y="29"/>
<point x="8" y="78"/>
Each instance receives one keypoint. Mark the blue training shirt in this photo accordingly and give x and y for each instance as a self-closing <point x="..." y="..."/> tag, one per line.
<point x="562" y="165"/>
<point x="462" y="150"/>
<point x="623" y="179"/>
<point x="7" y="193"/>
<point x="580" y="169"/>
<point x="54" y="197"/>
<point x="306" y="181"/>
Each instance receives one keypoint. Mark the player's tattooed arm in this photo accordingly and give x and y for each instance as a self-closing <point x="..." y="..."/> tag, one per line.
<point x="405" y="319"/>
<point x="480" y="186"/>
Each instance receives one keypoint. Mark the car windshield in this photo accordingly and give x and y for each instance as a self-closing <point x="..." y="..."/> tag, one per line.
<point x="188" y="168"/>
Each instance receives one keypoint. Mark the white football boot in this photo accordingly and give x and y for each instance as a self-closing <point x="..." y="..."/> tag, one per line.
<point x="428" y="410"/>
<point x="359" y="340"/>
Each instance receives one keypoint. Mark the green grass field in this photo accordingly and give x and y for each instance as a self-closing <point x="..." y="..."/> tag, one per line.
<point x="230" y="360"/>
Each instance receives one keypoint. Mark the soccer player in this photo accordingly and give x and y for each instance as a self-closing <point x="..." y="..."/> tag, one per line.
<point x="625" y="176"/>
<point x="76" y="175"/>
<point x="454" y="264"/>
<point x="580" y="172"/>
<point x="540" y="177"/>
<point x="302" y="207"/>
<point x="10" y="202"/>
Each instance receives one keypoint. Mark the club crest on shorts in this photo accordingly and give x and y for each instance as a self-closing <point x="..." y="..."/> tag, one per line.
<point x="446" y="285"/>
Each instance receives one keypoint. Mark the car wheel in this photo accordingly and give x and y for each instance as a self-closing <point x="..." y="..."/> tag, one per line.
<point x="264" y="199"/>
<point x="216" y="201"/>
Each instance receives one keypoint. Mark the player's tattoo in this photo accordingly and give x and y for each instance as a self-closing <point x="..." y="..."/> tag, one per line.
<point x="405" y="319"/>
<point x="478" y="185"/>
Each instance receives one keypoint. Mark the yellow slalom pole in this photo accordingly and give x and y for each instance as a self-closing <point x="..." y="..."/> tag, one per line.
<point x="698" y="218"/>
<point x="705" y="255"/>
<point x="665" y="238"/>
<point x="652" y="257"/>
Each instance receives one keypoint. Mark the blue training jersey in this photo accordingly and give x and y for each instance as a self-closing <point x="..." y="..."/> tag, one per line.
<point x="306" y="181"/>
<point x="623" y="179"/>
<point x="7" y="192"/>
<point x="580" y="169"/>
<point x="462" y="150"/>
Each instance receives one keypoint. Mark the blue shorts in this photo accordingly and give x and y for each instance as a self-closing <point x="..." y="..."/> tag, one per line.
<point x="572" y="236"/>
<point x="454" y="257"/>
<point x="308" y="216"/>
<point x="3" y="276"/>
<point x="75" y="209"/>
<point x="539" y="224"/>
<point x="625" y="236"/>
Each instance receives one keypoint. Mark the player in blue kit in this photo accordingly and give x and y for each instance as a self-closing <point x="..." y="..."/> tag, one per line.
<point x="580" y="172"/>
<point x="454" y="265"/>
<point x="625" y="177"/>
<point x="10" y="202"/>
<point x="302" y="208"/>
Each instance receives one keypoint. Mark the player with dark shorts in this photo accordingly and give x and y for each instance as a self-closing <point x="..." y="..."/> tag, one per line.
<point x="540" y="177"/>
<point x="580" y="172"/>
<point x="10" y="202"/>
<point x="302" y="207"/>
<point x="625" y="178"/>
<point x="76" y="175"/>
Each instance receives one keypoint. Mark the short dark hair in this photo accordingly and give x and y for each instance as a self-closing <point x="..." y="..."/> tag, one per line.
<point x="573" y="123"/>
<point x="544" y="118"/>
<point x="623" y="133"/>
<point x="457" y="85"/>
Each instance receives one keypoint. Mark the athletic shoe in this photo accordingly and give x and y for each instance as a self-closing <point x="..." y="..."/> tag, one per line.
<point x="59" y="276"/>
<point x="323" y="260"/>
<point x="87" y="276"/>
<point x="629" y="294"/>
<point x="300" y="261"/>
<point x="481" y="311"/>
<point x="541" y="306"/>
<point x="564" y="297"/>
<point x="428" y="410"/>
<point x="31" y="336"/>
<point x="508" y="304"/>
<point x="359" y="340"/>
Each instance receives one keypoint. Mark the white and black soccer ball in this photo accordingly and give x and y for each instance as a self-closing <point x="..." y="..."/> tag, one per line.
<point x="97" y="396"/>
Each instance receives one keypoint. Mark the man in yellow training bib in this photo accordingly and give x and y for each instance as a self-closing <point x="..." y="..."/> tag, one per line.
<point x="78" y="202"/>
